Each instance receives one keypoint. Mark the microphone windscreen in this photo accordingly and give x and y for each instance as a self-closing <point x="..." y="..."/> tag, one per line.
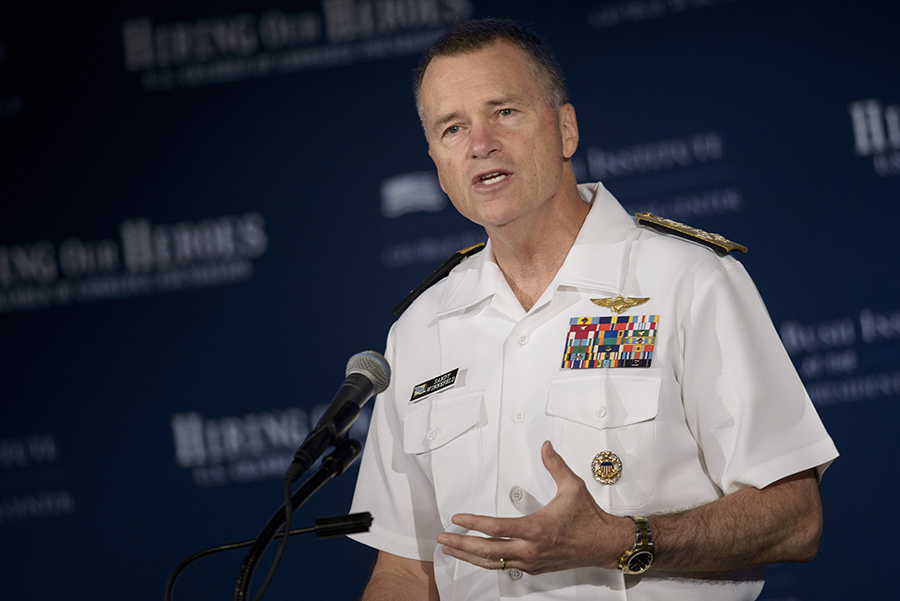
<point x="373" y="365"/>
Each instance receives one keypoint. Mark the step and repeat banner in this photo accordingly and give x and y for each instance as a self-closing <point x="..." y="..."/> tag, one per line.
<point x="208" y="207"/>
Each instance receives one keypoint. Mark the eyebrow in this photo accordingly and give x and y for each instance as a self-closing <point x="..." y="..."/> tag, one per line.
<point x="445" y="119"/>
<point x="454" y="115"/>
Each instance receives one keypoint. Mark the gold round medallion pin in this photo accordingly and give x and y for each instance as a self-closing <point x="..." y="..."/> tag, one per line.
<point x="606" y="467"/>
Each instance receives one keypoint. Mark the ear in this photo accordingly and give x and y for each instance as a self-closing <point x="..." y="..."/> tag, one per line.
<point x="568" y="127"/>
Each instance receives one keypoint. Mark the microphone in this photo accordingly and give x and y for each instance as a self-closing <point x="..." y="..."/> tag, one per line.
<point x="367" y="374"/>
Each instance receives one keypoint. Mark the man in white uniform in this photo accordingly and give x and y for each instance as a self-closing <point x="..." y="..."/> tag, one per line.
<point x="588" y="408"/>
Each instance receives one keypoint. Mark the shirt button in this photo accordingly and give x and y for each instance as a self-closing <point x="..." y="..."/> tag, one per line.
<point x="601" y="412"/>
<point x="516" y="494"/>
<point x="523" y="339"/>
<point x="519" y="417"/>
<point x="515" y="574"/>
<point x="432" y="434"/>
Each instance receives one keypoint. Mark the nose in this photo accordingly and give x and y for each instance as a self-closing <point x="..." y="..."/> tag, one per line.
<point x="483" y="140"/>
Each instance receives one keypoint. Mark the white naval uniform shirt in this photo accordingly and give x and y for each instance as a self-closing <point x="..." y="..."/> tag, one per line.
<point x="719" y="408"/>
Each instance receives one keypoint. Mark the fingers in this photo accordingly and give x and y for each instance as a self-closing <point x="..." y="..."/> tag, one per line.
<point x="493" y="527"/>
<point x="483" y="562"/>
<point x="530" y="543"/>
<point x="561" y="473"/>
<point x="479" y="551"/>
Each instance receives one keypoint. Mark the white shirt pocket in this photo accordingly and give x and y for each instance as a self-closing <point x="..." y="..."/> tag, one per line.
<point x="608" y="412"/>
<point x="445" y="438"/>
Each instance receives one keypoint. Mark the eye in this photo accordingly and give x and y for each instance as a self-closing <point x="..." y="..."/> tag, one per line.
<point x="453" y="129"/>
<point x="506" y="112"/>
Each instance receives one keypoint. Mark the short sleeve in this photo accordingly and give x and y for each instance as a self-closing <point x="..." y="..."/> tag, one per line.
<point x="392" y="486"/>
<point x="743" y="399"/>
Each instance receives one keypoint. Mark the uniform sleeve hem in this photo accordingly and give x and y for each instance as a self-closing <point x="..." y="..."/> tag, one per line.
<point x="402" y="546"/>
<point x="819" y="456"/>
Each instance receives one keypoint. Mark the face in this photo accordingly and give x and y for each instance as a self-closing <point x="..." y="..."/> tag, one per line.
<point x="499" y="147"/>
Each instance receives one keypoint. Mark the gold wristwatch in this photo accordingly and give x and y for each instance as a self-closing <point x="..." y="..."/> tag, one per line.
<point x="638" y="559"/>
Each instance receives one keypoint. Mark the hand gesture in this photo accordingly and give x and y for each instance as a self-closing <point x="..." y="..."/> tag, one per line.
<point x="571" y="531"/>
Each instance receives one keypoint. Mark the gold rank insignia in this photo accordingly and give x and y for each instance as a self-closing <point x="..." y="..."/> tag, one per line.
<point x="607" y="467"/>
<point x="620" y="303"/>
<point x="667" y="226"/>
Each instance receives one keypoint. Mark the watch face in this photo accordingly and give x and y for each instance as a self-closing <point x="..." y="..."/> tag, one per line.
<point x="639" y="562"/>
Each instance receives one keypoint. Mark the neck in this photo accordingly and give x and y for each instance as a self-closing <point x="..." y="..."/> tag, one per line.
<point x="530" y="255"/>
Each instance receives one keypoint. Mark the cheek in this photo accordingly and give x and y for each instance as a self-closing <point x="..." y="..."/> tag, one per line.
<point x="449" y="173"/>
<point x="449" y="180"/>
<point x="440" y="165"/>
<point x="441" y="182"/>
<point x="545" y="157"/>
<point x="550" y="155"/>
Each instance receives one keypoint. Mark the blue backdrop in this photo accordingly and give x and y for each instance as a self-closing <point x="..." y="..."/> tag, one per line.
<point x="208" y="207"/>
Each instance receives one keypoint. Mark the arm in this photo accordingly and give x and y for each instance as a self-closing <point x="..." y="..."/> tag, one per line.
<point x="396" y="578"/>
<point x="781" y="522"/>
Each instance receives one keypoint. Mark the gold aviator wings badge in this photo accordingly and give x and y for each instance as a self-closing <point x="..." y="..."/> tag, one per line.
<point x="619" y="304"/>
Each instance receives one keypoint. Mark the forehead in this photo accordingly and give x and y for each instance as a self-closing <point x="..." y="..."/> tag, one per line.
<point x="499" y="69"/>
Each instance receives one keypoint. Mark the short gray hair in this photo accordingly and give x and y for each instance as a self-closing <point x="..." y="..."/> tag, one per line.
<point x="473" y="35"/>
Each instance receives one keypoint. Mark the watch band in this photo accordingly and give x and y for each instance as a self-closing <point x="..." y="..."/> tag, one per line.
<point x="639" y="558"/>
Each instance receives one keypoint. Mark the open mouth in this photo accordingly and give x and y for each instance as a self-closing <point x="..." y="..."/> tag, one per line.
<point x="492" y="177"/>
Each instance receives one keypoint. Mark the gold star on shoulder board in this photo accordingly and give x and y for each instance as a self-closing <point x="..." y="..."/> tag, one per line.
<point x="620" y="303"/>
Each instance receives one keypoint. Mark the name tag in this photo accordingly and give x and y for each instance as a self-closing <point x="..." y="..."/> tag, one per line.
<point x="420" y="391"/>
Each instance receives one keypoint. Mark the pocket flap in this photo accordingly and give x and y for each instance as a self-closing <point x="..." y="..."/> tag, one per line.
<point x="604" y="401"/>
<point x="443" y="419"/>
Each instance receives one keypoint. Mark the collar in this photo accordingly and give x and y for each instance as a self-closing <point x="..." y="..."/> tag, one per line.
<point x="597" y="260"/>
<point x="599" y="256"/>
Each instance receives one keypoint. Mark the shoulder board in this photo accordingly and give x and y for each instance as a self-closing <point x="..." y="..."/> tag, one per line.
<point x="667" y="226"/>
<point x="437" y="275"/>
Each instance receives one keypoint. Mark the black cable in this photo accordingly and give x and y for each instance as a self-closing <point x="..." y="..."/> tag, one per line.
<point x="170" y="585"/>
<point x="288" y="512"/>
<point x="333" y="465"/>
<point x="324" y="528"/>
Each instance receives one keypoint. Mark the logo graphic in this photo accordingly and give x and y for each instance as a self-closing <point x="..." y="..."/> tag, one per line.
<point x="681" y="178"/>
<point x="147" y="258"/>
<point x="660" y="155"/>
<point x="411" y="193"/>
<point x="612" y="14"/>
<point x="246" y="448"/>
<point x="28" y="490"/>
<point x="843" y="360"/>
<point x="876" y="133"/>
<point x="227" y="48"/>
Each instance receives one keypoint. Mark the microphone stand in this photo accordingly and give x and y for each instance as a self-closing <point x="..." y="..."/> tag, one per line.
<point x="338" y="525"/>
<point x="333" y="465"/>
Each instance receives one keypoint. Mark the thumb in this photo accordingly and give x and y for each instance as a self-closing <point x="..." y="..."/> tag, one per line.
<point x="561" y="473"/>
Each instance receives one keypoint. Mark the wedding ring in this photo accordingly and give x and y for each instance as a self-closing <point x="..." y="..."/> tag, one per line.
<point x="502" y="565"/>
